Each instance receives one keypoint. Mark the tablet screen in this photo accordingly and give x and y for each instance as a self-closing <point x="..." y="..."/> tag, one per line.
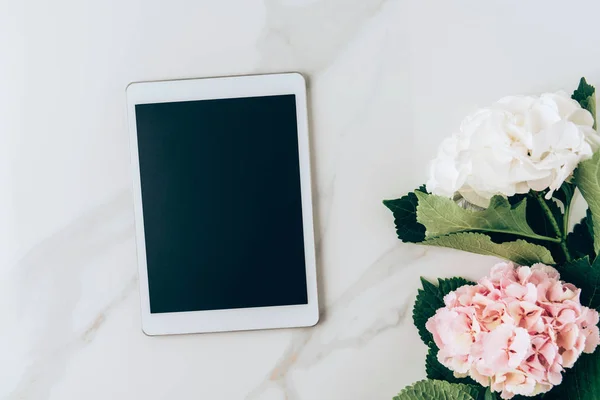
<point x="221" y="202"/>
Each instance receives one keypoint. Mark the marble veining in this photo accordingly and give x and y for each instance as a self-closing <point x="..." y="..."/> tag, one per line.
<point x="388" y="79"/>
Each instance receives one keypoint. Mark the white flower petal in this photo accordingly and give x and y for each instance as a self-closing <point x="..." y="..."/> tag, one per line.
<point x="581" y="116"/>
<point x="517" y="144"/>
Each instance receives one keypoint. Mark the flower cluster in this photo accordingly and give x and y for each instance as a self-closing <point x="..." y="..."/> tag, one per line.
<point x="515" y="330"/>
<point x="517" y="144"/>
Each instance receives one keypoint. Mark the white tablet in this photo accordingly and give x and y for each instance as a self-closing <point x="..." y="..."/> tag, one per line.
<point x="223" y="213"/>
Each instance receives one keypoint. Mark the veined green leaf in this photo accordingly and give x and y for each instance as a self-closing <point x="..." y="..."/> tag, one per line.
<point x="405" y="217"/>
<point x="519" y="251"/>
<point x="439" y="390"/>
<point x="442" y="216"/>
<point x="585" y="95"/>
<point x="581" y="240"/>
<point x="587" y="179"/>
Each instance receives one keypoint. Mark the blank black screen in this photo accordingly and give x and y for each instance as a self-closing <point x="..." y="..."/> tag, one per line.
<point x="221" y="203"/>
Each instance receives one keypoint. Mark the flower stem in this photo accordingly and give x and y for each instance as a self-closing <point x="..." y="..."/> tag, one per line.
<point x="568" y="213"/>
<point x="562" y="234"/>
<point x="534" y="236"/>
<point x="563" y="246"/>
<point x="566" y="220"/>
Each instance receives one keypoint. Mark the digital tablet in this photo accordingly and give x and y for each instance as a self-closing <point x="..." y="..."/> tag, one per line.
<point x="223" y="212"/>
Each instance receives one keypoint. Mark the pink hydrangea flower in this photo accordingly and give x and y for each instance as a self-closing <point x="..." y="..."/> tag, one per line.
<point x="516" y="330"/>
<point x="455" y="330"/>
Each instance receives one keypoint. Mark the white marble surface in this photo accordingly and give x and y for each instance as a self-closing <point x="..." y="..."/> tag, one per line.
<point x="388" y="80"/>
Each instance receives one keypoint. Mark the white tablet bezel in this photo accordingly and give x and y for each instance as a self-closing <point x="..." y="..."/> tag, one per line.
<point x="231" y="319"/>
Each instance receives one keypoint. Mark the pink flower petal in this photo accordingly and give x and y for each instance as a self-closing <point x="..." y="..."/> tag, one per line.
<point x="516" y="330"/>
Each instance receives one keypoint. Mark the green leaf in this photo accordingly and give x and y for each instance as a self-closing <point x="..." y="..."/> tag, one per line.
<point x="585" y="95"/>
<point x="405" y="217"/>
<point x="430" y="299"/>
<point x="489" y="395"/>
<point x="519" y="397"/>
<point x="556" y="213"/>
<point x="451" y="284"/>
<point x="565" y="193"/>
<point x="581" y="240"/>
<point x="539" y="222"/>
<point x="589" y="223"/>
<point x="519" y="251"/>
<point x="439" y="390"/>
<point x="586" y="277"/>
<point x="582" y="382"/>
<point x="435" y="370"/>
<point x="536" y="212"/>
<point x="442" y="216"/>
<point x="587" y="179"/>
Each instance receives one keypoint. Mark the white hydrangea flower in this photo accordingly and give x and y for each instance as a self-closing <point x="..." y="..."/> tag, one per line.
<point x="517" y="144"/>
